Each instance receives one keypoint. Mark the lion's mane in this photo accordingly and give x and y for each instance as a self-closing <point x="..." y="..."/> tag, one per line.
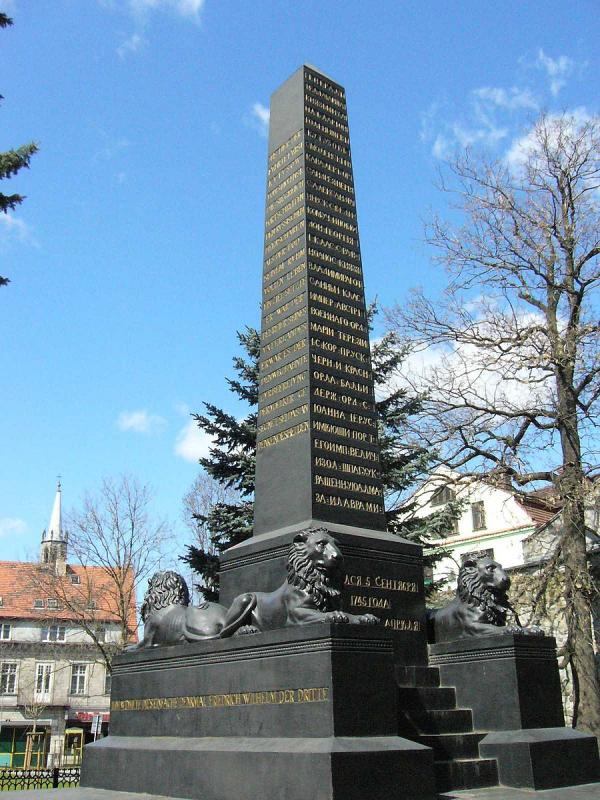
<point x="475" y="592"/>
<point x="166" y="588"/>
<point x="323" y="587"/>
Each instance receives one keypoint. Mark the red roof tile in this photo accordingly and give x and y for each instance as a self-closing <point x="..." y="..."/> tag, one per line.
<point x="21" y="583"/>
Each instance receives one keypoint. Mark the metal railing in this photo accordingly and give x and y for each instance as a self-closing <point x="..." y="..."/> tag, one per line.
<point x="12" y="778"/>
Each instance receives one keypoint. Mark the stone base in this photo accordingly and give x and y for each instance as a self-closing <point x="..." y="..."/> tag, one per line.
<point x="316" y="705"/>
<point x="222" y="768"/>
<point x="543" y="758"/>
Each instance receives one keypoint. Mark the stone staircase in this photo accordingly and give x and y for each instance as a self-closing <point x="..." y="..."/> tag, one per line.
<point x="427" y="714"/>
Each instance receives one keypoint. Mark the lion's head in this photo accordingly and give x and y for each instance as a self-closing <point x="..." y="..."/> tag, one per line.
<point x="314" y="563"/>
<point x="165" y="589"/>
<point x="482" y="582"/>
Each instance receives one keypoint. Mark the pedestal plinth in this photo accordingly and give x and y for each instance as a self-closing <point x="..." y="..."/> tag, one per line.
<point x="383" y="576"/>
<point x="511" y="684"/>
<point x="301" y="712"/>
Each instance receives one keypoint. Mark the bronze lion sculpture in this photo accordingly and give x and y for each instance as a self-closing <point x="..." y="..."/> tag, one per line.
<point x="480" y="606"/>
<point x="170" y="619"/>
<point x="312" y="590"/>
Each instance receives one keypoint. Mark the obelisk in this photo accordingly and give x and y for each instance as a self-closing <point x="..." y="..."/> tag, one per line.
<point x="318" y="457"/>
<point x="317" y="451"/>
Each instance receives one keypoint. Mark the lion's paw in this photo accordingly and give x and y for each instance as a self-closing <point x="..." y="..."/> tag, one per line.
<point x="368" y="619"/>
<point x="246" y="630"/>
<point x="336" y="616"/>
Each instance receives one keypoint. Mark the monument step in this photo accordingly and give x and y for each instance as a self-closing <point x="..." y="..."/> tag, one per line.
<point x="453" y="745"/>
<point x="470" y="773"/>
<point x="426" y="698"/>
<point x="417" y="675"/>
<point x="454" y="720"/>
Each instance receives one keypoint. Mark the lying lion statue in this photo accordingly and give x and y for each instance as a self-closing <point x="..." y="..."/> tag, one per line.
<point x="312" y="590"/>
<point x="480" y="606"/>
<point x="170" y="619"/>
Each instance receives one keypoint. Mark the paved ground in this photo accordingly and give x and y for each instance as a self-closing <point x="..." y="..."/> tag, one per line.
<point x="588" y="792"/>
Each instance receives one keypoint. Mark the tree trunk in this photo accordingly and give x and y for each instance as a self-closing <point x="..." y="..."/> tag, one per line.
<point x="580" y="647"/>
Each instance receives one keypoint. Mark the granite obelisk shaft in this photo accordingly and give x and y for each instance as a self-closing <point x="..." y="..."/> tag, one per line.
<point x="317" y="450"/>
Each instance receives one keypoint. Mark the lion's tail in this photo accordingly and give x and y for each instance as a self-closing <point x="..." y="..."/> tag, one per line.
<point x="240" y="613"/>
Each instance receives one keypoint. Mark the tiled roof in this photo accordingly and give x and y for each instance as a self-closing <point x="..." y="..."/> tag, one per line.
<point x="88" y="590"/>
<point x="540" y="506"/>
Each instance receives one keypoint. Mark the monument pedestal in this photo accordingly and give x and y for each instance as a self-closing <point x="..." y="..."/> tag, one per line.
<point x="511" y="684"/>
<point x="316" y="705"/>
<point x="383" y="576"/>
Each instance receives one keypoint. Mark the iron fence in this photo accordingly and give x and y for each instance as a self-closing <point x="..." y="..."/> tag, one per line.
<point x="15" y="778"/>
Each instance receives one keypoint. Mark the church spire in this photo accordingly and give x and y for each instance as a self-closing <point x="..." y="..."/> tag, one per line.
<point x="54" y="539"/>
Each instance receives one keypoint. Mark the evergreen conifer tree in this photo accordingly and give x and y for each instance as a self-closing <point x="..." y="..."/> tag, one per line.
<point x="12" y="161"/>
<point x="232" y="458"/>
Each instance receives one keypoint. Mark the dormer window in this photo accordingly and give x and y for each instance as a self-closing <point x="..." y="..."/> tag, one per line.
<point x="75" y="579"/>
<point x="443" y="495"/>
<point x="53" y="633"/>
<point x="38" y="604"/>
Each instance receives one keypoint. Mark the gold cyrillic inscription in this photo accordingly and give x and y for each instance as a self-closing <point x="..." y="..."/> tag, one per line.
<point x="323" y="313"/>
<point x="294" y="287"/>
<point x="283" y="402"/>
<point x="288" y="433"/>
<point x="285" y="337"/>
<point x="362" y="601"/>
<point x="344" y="466"/>
<point x="346" y="433"/>
<point x="293" y="303"/>
<point x="348" y="502"/>
<point x="403" y="625"/>
<point x="282" y="387"/>
<point x="278" y="373"/>
<point x="345" y="450"/>
<point x="272" y="423"/>
<point x="349" y="486"/>
<point x="295" y="137"/>
<point x="282" y="324"/>
<point x="268" y="362"/>
<point x="378" y="582"/>
<point x="342" y="383"/>
<point x="346" y="399"/>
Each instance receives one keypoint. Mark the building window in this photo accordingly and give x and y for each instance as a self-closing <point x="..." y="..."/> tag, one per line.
<point x="475" y="554"/>
<point x="75" y="579"/>
<point x="53" y="633"/>
<point x="5" y="631"/>
<point x="38" y="603"/>
<point x="443" y="495"/>
<point x="478" y="515"/>
<point x="107" y="682"/>
<point x="91" y="605"/>
<point x="52" y="602"/>
<point x="43" y="679"/>
<point x="8" y="677"/>
<point x="78" y="675"/>
<point x="1" y="601"/>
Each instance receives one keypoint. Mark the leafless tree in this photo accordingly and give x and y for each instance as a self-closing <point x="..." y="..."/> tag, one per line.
<point x="118" y="542"/>
<point x="510" y="354"/>
<point x="201" y="497"/>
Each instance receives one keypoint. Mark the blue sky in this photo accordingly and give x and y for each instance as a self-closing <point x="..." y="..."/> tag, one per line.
<point x="138" y="251"/>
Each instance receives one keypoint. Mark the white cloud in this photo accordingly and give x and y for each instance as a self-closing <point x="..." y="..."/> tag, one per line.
<point x="140" y="421"/>
<point x="189" y="9"/>
<point x="141" y="12"/>
<point x="557" y="69"/>
<point x="12" y="526"/>
<point x="192" y="443"/>
<point x="509" y="99"/>
<point x="132" y="44"/>
<point x="259" y="118"/>
<point x="15" y="229"/>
